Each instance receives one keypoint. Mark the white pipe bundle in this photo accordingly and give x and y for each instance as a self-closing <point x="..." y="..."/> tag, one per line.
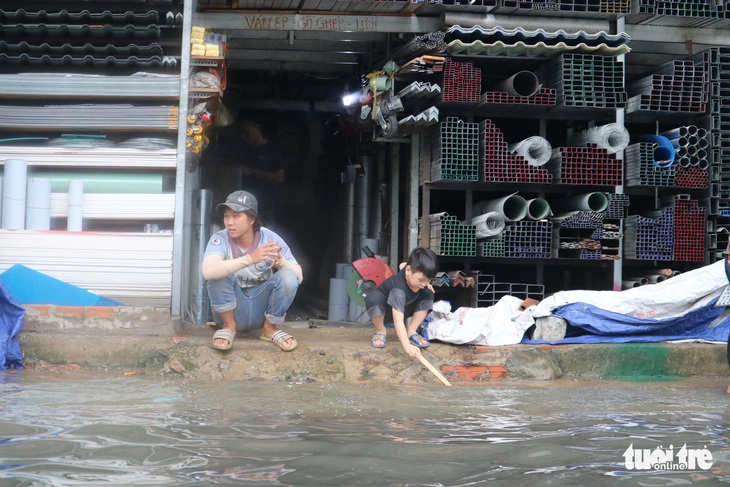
<point x="613" y="137"/>
<point x="535" y="150"/>
<point x="488" y="224"/>
<point x="512" y="207"/>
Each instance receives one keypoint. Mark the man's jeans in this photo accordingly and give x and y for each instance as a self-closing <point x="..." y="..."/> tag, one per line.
<point x="269" y="300"/>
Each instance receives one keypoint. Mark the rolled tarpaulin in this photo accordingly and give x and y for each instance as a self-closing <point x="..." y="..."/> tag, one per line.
<point x="38" y="204"/>
<point x="488" y="224"/>
<point x="664" y="151"/>
<point x="535" y="150"/>
<point x="613" y="137"/>
<point x="512" y="207"/>
<point x="595" y="201"/>
<point x="522" y="83"/>
<point x="538" y="209"/>
<point x="15" y="180"/>
<point x="339" y="302"/>
<point x="106" y="182"/>
<point x="75" y="221"/>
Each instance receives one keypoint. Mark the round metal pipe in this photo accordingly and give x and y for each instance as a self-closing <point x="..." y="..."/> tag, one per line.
<point x="522" y="83"/>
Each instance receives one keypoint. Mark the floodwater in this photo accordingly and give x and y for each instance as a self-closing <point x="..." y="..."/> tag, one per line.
<point x="73" y="429"/>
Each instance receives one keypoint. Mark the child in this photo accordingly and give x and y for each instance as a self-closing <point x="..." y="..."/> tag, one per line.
<point x="405" y="294"/>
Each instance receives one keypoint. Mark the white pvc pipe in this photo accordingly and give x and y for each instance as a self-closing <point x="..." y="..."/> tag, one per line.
<point x="75" y="221"/>
<point x="538" y="209"/>
<point x="343" y="270"/>
<point x="38" y="204"/>
<point x="1" y="201"/>
<point x="596" y="201"/>
<point x="339" y="300"/>
<point x="535" y="150"/>
<point x="513" y="207"/>
<point x="14" y="187"/>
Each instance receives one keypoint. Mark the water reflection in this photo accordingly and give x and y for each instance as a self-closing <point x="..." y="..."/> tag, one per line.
<point x="136" y="431"/>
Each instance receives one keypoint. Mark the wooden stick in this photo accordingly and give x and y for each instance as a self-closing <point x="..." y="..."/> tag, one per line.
<point x="434" y="370"/>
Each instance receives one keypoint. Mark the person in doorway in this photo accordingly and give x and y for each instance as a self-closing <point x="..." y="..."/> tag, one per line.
<point x="262" y="165"/>
<point x="406" y="294"/>
<point x="252" y="276"/>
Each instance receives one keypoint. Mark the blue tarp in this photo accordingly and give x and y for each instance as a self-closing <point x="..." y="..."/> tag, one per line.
<point x="29" y="286"/>
<point x="590" y="324"/>
<point x="11" y="320"/>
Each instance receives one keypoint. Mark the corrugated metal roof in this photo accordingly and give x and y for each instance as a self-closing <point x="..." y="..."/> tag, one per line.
<point x="520" y="48"/>
<point x="89" y="117"/>
<point x="22" y="16"/>
<point x="86" y="49"/>
<point x="478" y="33"/>
<point x="498" y="41"/>
<point x="79" y="85"/>
<point x="85" y="30"/>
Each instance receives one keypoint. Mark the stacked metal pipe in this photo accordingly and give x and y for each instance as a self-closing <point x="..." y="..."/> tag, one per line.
<point x="585" y="165"/>
<point x="502" y="165"/>
<point x="641" y="169"/>
<point x="650" y="236"/>
<point x="576" y="77"/>
<point x="678" y="86"/>
<point x="456" y="151"/>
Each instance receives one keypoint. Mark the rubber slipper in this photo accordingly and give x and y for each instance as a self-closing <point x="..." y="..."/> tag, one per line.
<point x="376" y="337"/>
<point x="224" y="335"/>
<point x="279" y="339"/>
<point x="418" y="341"/>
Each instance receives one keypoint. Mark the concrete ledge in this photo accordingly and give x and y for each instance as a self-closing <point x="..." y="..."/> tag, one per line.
<point x="344" y="354"/>
<point x="100" y="319"/>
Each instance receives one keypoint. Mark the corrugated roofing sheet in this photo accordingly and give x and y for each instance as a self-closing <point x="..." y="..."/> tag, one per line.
<point x="22" y="16"/>
<point x="86" y="30"/>
<point x="499" y="41"/>
<point x="478" y="33"/>
<point x="89" y="117"/>
<point x="140" y="85"/>
<point x="520" y="48"/>
<point x="89" y="61"/>
<point x="88" y="49"/>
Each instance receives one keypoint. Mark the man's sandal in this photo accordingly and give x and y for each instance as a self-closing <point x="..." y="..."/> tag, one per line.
<point x="378" y="337"/>
<point x="418" y="341"/>
<point x="279" y="338"/>
<point x="223" y="334"/>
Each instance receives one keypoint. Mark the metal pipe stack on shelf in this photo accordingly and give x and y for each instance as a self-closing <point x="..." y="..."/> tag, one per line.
<point x="455" y="151"/>
<point x="489" y="291"/>
<point x="689" y="228"/>
<point x="641" y="169"/>
<point x="589" y="165"/>
<point x="462" y="82"/>
<point x="693" y="157"/>
<point x="528" y="239"/>
<point x="588" y="80"/>
<point x="502" y="165"/>
<point x="451" y="237"/>
<point x="650" y="237"/>
<point x="677" y="86"/>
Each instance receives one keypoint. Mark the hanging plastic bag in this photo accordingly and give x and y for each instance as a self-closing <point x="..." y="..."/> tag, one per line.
<point x="223" y="117"/>
<point x="11" y="320"/>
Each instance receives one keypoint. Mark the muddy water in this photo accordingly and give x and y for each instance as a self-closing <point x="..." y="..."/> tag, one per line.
<point x="74" y="429"/>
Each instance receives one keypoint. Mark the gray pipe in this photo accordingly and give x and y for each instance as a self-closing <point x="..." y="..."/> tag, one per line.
<point x="362" y="198"/>
<point x="349" y="220"/>
<point x="522" y="83"/>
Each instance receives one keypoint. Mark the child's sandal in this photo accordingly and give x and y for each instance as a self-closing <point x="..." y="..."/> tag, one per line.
<point x="378" y="337"/>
